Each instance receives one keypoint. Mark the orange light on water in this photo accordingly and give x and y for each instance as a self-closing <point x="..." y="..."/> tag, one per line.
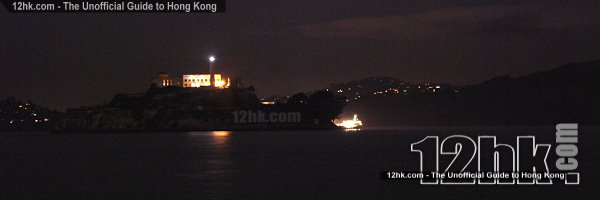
<point x="221" y="133"/>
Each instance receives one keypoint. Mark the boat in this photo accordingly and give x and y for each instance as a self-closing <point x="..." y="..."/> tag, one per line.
<point x="355" y="123"/>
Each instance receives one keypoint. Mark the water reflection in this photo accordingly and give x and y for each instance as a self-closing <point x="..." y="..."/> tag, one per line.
<point x="212" y="166"/>
<point x="220" y="133"/>
<point x="220" y="138"/>
<point x="214" y="140"/>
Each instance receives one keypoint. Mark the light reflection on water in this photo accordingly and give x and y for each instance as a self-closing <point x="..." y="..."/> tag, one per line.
<point x="256" y="164"/>
<point x="220" y="133"/>
<point x="213" y="167"/>
<point x="216" y="142"/>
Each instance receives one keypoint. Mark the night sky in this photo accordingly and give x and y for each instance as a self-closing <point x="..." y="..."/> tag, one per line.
<point x="283" y="47"/>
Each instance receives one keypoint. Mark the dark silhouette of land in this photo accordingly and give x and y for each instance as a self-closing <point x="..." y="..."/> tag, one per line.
<point x="568" y="93"/>
<point x="205" y="108"/>
<point x="18" y="115"/>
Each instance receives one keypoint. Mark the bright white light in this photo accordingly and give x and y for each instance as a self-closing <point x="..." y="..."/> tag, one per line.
<point x="212" y="59"/>
<point x="354" y="123"/>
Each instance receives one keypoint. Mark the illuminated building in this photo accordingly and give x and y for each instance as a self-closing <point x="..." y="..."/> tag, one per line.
<point x="191" y="80"/>
<point x="267" y="102"/>
<point x="204" y="80"/>
<point x="195" y="80"/>
<point x="164" y="80"/>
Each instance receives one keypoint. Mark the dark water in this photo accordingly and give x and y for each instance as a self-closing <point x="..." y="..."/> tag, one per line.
<point x="256" y="165"/>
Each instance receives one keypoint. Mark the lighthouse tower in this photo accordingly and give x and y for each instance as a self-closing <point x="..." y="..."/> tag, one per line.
<point x="212" y="71"/>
